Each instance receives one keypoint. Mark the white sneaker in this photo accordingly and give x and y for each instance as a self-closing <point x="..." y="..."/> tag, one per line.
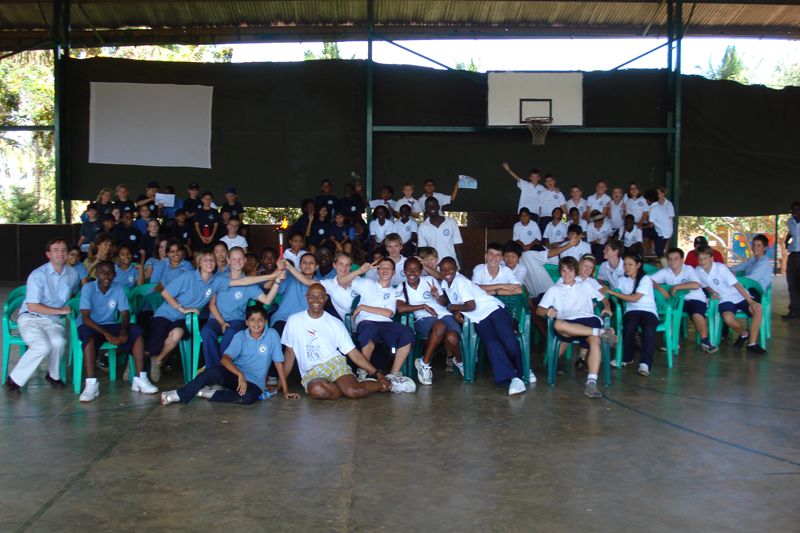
<point x="143" y="385"/>
<point x="401" y="384"/>
<point x="206" y="392"/>
<point x="424" y="372"/>
<point x="91" y="391"/>
<point x="170" y="396"/>
<point x="516" y="386"/>
<point x="644" y="370"/>
<point x="155" y="370"/>
<point x="459" y="365"/>
<point x="623" y="364"/>
<point x="361" y="374"/>
<point x="531" y="377"/>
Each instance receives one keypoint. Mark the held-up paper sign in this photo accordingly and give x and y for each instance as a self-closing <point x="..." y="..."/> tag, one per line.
<point x="167" y="200"/>
<point x="466" y="182"/>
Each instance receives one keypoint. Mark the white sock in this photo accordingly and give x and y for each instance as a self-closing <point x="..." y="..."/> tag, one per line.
<point x="91" y="381"/>
<point x="596" y="332"/>
<point x="143" y="375"/>
<point x="591" y="377"/>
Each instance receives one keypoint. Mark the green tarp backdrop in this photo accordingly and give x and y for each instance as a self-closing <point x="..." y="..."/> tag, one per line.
<point x="279" y="128"/>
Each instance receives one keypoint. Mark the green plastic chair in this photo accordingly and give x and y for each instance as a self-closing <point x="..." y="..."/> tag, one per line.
<point x="11" y="336"/>
<point x="76" y="351"/>
<point x="763" y="335"/>
<point x="139" y="296"/>
<point x="17" y="291"/>
<point x="766" y="304"/>
<point x="467" y="331"/>
<point x="553" y="271"/>
<point x="553" y="347"/>
<point x="517" y="307"/>
<point x="190" y="348"/>
<point x="650" y="268"/>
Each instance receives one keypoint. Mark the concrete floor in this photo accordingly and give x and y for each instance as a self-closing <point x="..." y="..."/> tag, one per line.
<point x="711" y="445"/>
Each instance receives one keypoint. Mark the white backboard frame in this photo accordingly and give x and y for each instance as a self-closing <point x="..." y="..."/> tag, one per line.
<point x="514" y="95"/>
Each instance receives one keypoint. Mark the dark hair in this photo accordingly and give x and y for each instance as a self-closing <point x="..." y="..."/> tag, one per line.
<point x="381" y="208"/>
<point x="173" y="242"/>
<point x="639" y="271"/>
<point x="429" y="181"/>
<point x="305" y="202"/>
<point x="675" y="251"/>
<point x="614" y="244"/>
<point x="494" y="246"/>
<point x="513" y="247"/>
<point x="100" y="238"/>
<point x="389" y="259"/>
<point x="124" y="246"/>
<point x="524" y="210"/>
<point x="70" y="249"/>
<point x="253" y="309"/>
<point x="573" y="209"/>
<point x="389" y="188"/>
<point x="104" y="263"/>
<point x="569" y="263"/>
<point x="548" y="176"/>
<point x="269" y="249"/>
<point x="326" y="180"/>
<point x="575" y="228"/>
<point x="412" y="260"/>
<point x="534" y="171"/>
<point x="431" y="199"/>
<point x="629" y="216"/>
<point x="557" y="209"/>
<point x="327" y="246"/>
<point x="707" y="250"/>
<point x="448" y="260"/>
<point x="207" y="193"/>
<point x="295" y="233"/>
<point x="53" y="241"/>
<point x="762" y="239"/>
<point x="404" y="206"/>
<point x="651" y="195"/>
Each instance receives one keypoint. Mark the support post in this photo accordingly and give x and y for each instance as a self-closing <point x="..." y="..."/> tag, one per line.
<point x="370" y="88"/>
<point x="61" y="30"/>
<point x="676" y="166"/>
<point x="775" y="268"/>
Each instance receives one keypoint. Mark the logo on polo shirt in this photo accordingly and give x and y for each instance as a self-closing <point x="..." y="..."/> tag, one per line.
<point x="408" y="228"/>
<point x="454" y="296"/>
<point x="208" y="293"/>
<point x="353" y="293"/>
<point x="321" y="231"/>
<point x="132" y="237"/>
<point x="555" y="196"/>
<point x="426" y="295"/>
<point x="330" y="202"/>
<point x="130" y="278"/>
<point x="386" y="295"/>
<point x="716" y="281"/>
<point x="112" y="304"/>
<point x="352" y="208"/>
<point x="238" y="295"/>
<point x="530" y="232"/>
<point x="446" y="233"/>
<point x="262" y="349"/>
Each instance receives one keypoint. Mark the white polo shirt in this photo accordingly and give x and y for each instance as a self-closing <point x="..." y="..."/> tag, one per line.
<point x="548" y="201"/>
<point x="374" y="295"/>
<point x="463" y="290"/>
<point x="600" y="234"/>
<point x="341" y="297"/>
<point x="405" y="229"/>
<point x="580" y="205"/>
<point x="647" y="302"/>
<point x="616" y="214"/>
<point x="611" y="275"/>
<point x="597" y="203"/>
<point x="444" y="199"/>
<point x="526" y="234"/>
<point x="481" y="276"/>
<point x="380" y="231"/>
<point x="555" y="233"/>
<point x="411" y="202"/>
<point x="399" y="275"/>
<point x="721" y="280"/>
<point x="571" y="301"/>
<point x="443" y="239"/>
<point x="659" y="216"/>
<point x="578" y="251"/>
<point x="666" y="276"/>
<point x="629" y="238"/>
<point x="636" y="207"/>
<point x="422" y="296"/>
<point x="529" y="195"/>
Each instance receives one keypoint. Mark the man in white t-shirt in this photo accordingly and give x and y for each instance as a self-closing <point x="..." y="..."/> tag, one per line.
<point x="439" y="232"/>
<point x="493" y="277"/>
<point x="317" y="341"/>
<point x="681" y="277"/>
<point x="570" y="302"/>
<point x="723" y="286"/>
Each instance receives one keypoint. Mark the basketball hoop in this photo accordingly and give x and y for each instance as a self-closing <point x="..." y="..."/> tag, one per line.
<point x="539" y="126"/>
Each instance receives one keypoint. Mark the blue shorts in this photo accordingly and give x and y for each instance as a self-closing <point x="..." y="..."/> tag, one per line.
<point x="590" y="321"/>
<point x="86" y="333"/>
<point x="695" y="307"/>
<point x="730" y="307"/>
<point x="392" y="334"/>
<point x="159" y="330"/>
<point x="423" y="325"/>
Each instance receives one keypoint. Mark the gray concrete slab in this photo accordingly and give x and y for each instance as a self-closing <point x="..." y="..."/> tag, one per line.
<point x="710" y="445"/>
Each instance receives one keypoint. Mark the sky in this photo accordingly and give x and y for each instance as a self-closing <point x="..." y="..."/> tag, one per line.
<point x="760" y="55"/>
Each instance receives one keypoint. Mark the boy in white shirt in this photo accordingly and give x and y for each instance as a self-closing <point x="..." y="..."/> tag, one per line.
<point x="556" y="230"/>
<point x="317" y="341"/>
<point x="439" y="232"/>
<point x="570" y="303"/>
<point x="380" y="226"/>
<point x="631" y="236"/>
<point x="493" y="277"/>
<point x="659" y="222"/>
<point x="529" y="191"/>
<point x="598" y="201"/>
<point x="549" y="199"/>
<point x="612" y="268"/>
<point x="723" y="286"/>
<point x="407" y="228"/>
<point x="233" y="239"/>
<point x="429" y="191"/>
<point x="512" y="252"/>
<point x="575" y="200"/>
<point x="695" y="304"/>
<point x="574" y="217"/>
<point x="394" y="247"/>
<point x="385" y="200"/>
<point x="526" y="232"/>
<point x="409" y="200"/>
<point x="432" y="321"/>
<point x="575" y="232"/>
<point x="635" y="204"/>
<point x="597" y="233"/>
<point x="615" y="209"/>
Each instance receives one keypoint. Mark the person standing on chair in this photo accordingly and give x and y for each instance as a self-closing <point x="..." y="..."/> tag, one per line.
<point x="793" y="264"/>
<point x="48" y="290"/>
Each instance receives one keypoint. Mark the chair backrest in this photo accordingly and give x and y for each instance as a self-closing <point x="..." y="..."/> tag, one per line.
<point x="662" y="304"/>
<point x="750" y="283"/>
<point x="11" y="306"/>
<point x="18" y="291"/>
<point x="650" y="268"/>
<point x="553" y="271"/>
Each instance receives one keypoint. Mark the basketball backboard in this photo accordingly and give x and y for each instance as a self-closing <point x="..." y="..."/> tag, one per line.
<point x="515" y="96"/>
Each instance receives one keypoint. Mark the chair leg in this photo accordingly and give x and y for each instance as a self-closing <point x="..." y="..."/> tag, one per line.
<point x="77" y="368"/>
<point x="6" y="354"/>
<point x="112" y="364"/>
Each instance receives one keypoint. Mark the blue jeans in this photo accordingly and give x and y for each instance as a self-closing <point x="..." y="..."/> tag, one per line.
<point x="213" y="351"/>
<point x="497" y="335"/>
<point x="219" y="376"/>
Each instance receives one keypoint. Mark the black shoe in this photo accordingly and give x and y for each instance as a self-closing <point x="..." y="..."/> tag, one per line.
<point x="102" y="363"/>
<point x="580" y="364"/>
<point x="756" y="349"/>
<point x="55" y="383"/>
<point x="740" y="342"/>
<point x="13" y="387"/>
<point x="790" y="316"/>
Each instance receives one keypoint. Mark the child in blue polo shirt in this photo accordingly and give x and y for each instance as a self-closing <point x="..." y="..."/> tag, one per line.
<point x="188" y="293"/>
<point x="128" y="273"/>
<point x="241" y="377"/>
<point x="101" y="300"/>
<point x="228" y="309"/>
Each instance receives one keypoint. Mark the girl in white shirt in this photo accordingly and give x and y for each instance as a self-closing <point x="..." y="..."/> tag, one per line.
<point x="576" y="200"/>
<point x="598" y="201"/>
<point x="640" y="313"/>
<point x="615" y="209"/>
<point x="556" y="230"/>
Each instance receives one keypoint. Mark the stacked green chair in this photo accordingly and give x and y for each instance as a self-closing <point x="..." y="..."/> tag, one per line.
<point x="517" y="306"/>
<point x="190" y="348"/>
<point x="76" y="351"/>
<point x="650" y="268"/>
<point x="766" y="304"/>
<point x="410" y="370"/>
<point x="11" y="336"/>
<point x="553" y="271"/>
<point x="553" y="347"/>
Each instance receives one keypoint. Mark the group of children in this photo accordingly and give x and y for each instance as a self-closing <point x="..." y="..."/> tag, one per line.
<point x="250" y="345"/>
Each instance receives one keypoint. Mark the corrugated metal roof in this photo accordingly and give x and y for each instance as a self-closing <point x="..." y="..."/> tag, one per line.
<point x="26" y="23"/>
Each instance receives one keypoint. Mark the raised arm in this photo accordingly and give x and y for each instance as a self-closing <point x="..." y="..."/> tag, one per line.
<point x="455" y="192"/>
<point x="511" y="173"/>
<point x="268" y="298"/>
<point x="255" y="280"/>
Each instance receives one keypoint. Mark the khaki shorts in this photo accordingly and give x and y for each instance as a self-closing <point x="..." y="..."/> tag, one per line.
<point x="330" y="370"/>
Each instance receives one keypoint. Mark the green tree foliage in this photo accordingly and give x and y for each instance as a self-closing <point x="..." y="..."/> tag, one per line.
<point x="472" y="66"/>
<point x="270" y="215"/>
<point x="731" y="68"/>
<point x="787" y="75"/>
<point x="330" y="50"/>
<point x="18" y="206"/>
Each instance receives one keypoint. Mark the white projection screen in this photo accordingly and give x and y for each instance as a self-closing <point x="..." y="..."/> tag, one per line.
<point x="150" y="124"/>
